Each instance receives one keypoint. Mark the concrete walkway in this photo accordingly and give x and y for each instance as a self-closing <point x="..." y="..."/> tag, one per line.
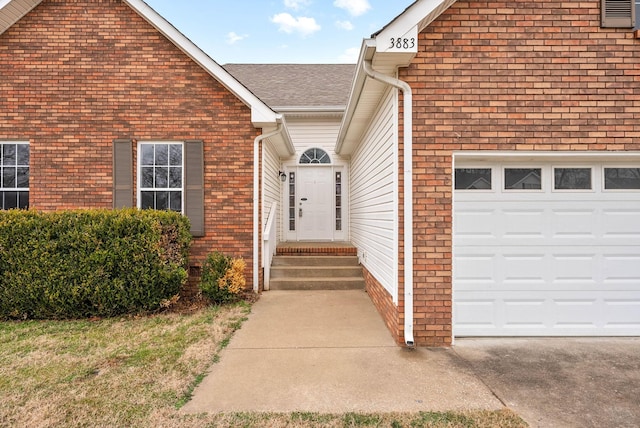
<point x="329" y="351"/>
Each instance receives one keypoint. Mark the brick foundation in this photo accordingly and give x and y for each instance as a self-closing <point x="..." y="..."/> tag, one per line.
<point x="390" y="313"/>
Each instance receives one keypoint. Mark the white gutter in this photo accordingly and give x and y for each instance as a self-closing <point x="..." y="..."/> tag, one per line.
<point x="256" y="201"/>
<point x="408" y="194"/>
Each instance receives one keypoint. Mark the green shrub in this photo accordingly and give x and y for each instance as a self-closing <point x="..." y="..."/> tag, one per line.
<point x="222" y="278"/>
<point x="75" y="264"/>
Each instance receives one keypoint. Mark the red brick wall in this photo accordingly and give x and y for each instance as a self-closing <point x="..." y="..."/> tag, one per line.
<point x="75" y="75"/>
<point x="510" y="76"/>
<point x="383" y="301"/>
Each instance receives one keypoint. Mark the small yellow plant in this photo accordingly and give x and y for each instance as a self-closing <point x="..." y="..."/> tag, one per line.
<point x="222" y="278"/>
<point x="233" y="279"/>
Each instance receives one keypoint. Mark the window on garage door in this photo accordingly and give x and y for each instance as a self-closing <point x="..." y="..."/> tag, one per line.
<point x="621" y="178"/>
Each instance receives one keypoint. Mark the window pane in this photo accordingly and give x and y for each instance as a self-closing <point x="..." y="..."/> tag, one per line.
<point x="622" y="178"/>
<point x="572" y="178"/>
<point x="147" y="177"/>
<point x="162" y="154"/>
<point x="23" y="177"/>
<point x="9" y="178"/>
<point x="147" y="154"/>
<point x="23" y="154"/>
<point x="522" y="178"/>
<point x="147" y="200"/>
<point x="8" y="154"/>
<point x="292" y="201"/>
<point x="175" y="178"/>
<point x="10" y="200"/>
<point x="162" y="200"/>
<point x="472" y="178"/>
<point x="175" y="155"/>
<point x="175" y="201"/>
<point x="23" y="200"/>
<point x="162" y="178"/>
<point x="315" y="156"/>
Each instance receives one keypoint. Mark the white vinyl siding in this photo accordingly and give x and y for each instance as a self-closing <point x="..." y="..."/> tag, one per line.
<point x="310" y="133"/>
<point x="374" y="214"/>
<point x="271" y="184"/>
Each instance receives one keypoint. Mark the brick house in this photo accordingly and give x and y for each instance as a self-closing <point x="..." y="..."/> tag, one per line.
<point x="484" y="159"/>
<point x="518" y="204"/>
<point x="110" y="106"/>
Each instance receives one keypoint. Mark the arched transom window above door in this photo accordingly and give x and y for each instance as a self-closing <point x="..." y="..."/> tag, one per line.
<point x="315" y="155"/>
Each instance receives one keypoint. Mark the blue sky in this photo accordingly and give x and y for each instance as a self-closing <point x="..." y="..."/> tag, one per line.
<point x="279" y="31"/>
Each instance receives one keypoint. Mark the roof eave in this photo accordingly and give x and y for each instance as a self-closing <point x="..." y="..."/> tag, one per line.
<point x="282" y="141"/>
<point x="261" y="114"/>
<point x="11" y="11"/>
<point x="387" y="59"/>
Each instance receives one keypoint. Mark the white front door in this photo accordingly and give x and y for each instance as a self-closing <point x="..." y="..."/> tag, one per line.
<point x="314" y="208"/>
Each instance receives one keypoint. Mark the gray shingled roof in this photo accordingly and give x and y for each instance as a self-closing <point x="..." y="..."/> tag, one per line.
<point x="296" y="85"/>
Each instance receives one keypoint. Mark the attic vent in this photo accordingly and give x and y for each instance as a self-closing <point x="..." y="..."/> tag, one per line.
<point x="618" y="13"/>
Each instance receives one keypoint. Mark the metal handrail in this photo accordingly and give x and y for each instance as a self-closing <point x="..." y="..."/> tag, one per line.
<point x="270" y="242"/>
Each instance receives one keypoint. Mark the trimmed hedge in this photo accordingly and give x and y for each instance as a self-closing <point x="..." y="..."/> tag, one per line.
<point x="77" y="264"/>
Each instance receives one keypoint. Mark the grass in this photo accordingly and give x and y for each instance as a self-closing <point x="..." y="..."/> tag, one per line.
<point x="140" y="371"/>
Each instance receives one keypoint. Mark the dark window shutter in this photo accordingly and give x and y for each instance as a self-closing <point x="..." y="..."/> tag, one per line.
<point x="122" y="173"/>
<point x="194" y="185"/>
<point x="618" y="13"/>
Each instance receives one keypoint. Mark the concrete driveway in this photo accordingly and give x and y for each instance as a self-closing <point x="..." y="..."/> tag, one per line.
<point x="561" y="382"/>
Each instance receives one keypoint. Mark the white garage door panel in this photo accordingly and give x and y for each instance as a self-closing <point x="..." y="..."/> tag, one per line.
<point x="546" y="263"/>
<point x="562" y="314"/>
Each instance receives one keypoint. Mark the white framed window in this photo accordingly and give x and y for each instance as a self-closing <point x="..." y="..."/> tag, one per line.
<point x="161" y="176"/>
<point x="522" y="178"/>
<point x="14" y="175"/>
<point x="473" y="179"/>
<point x="621" y="178"/>
<point x="572" y="178"/>
<point x="315" y="156"/>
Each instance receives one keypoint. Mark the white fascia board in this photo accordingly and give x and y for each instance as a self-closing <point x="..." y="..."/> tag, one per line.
<point x="408" y="24"/>
<point x="261" y="114"/>
<point x="406" y="27"/>
<point x="346" y="128"/>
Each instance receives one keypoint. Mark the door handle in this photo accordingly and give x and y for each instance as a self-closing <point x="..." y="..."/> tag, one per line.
<point x="300" y="212"/>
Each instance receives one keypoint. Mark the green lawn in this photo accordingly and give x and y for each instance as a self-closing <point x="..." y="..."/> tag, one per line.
<point x="138" y="371"/>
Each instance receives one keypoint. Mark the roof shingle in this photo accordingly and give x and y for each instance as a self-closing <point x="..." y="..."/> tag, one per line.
<point x="296" y="85"/>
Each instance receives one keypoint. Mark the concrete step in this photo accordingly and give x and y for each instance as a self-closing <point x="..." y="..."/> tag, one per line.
<point x="350" y="283"/>
<point x="308" y="272"/>
<point x="315" y="261"/>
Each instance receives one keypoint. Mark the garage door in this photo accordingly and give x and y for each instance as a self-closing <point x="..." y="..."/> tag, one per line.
<point x="546" y="249"/>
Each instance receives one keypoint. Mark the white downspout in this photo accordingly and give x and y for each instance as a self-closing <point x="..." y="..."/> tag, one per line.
<point x="408" y="194"/>
<point x="256" y="202"/>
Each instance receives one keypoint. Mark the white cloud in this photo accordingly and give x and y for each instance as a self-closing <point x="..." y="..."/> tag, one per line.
<point x="233" y="38"/>
<point x="345" y="25"/>
<point x="350" y="56"/>
<point x="296" y="4"/>
<point x="354" y="7"/>
<point x="301" y="24"/>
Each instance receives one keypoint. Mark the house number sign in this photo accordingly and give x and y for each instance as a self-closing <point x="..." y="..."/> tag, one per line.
<point x="399" y="41"/>
<point x="403" y="43"/>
